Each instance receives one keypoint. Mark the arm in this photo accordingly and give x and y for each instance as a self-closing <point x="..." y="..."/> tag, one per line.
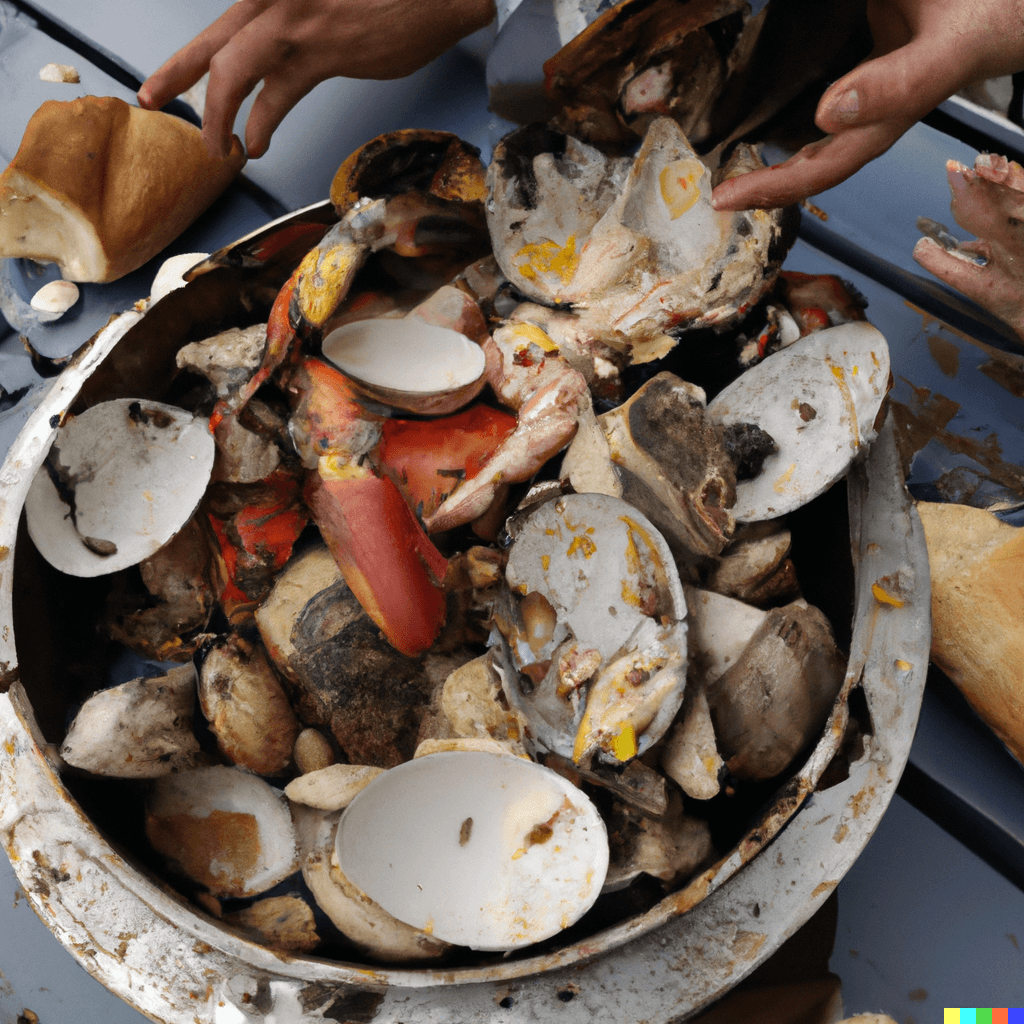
<point x="293" y="45"/>
<point x="924" y="51"/>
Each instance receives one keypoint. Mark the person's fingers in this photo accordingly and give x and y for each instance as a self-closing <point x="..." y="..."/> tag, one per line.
<point x="995" y="286"/>
<point x="184" y="68"/>
<point x="817" y="167"/>
<point x="900" y="86"/>
<point x="988" y="209"/>
<point x="272" y="103"/>
<point x="256" y="51"/>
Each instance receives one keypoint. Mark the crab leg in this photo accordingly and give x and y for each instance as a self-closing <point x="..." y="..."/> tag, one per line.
<point x="390" y="565"/>
<point x="387" y="560"/>
<point x="528" y="375"/>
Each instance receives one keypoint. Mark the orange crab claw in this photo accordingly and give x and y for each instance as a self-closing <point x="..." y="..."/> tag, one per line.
<point x="427" y="459"/>
<point x="387" y="560"/>
<point x="328" y="416"/>
<point x="257" y="541"/>
<point x="280" y="336"/>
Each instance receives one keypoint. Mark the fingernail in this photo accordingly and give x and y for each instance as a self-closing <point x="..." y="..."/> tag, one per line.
<point x="849" y="102"/>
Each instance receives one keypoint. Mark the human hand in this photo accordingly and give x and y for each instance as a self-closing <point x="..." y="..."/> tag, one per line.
<point x="293" y="45"/>
<point x="924" y="51"/>
<point x="988" y="201"/>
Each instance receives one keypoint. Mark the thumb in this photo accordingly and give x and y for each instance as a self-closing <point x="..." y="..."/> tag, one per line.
<point x="898" y="87"/>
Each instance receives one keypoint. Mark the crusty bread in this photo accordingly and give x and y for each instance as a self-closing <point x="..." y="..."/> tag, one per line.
<point x="99" y="187"/>
<point x="977" y="570"/>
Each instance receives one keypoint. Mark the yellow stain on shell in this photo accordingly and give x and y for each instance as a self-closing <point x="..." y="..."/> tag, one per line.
<point x="583" y="545"/>
<point x="679" y="185"/>
<point x="851" y="408"/>
<point x="548" y="257"/>
<point x="783" y="480"/>
<point x="531" y="334"/>
<point x="882" y="596"/>
<point x="623" y="745"/>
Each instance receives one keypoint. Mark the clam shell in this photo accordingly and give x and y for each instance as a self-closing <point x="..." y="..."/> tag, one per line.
<point x="171" y="274"/>
<point x="819" y="399"/>
<point x="55" y="297"/>
<point x="602" y="605"/>
<point x="408" y="363"/>
<point x="135" y="472"/>
<point x="224" y="828"/>
<point x="483" y="850"/>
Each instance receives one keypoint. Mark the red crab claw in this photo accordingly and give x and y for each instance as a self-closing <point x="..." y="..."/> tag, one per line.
<point x="280" y="337"/>
<point x="328" y="416"/>
<point x="427" y="459"/>
<point x="387" y="560"/>
<point x="256" y="542"/>
<point x="818" y="301"/>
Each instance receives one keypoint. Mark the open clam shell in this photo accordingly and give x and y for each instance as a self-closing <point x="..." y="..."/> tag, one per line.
<point x="223" y="828"/>
<point x="483" y="850"/>
<point x="820" y="400"/>
<point x="408" y="363"/>
<point x="596" y="647"/>
<point x="119" y="482"/>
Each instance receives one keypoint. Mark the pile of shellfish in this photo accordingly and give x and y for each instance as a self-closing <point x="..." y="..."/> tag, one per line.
<point x="447" y="599"/>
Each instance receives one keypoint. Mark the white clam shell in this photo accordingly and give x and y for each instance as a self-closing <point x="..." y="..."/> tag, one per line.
<point x="396" y="357"/>
<point x="225" y="828"/>
<point x="610" y="578"/>
<point x="55" y="297"/>
<point x="138" y="471"/>
<point x="171" y="273"/>
<point x="819" y="399"/>
<point x="483" y="850"/>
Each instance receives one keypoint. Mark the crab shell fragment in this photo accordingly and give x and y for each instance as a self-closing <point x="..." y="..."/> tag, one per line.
<point x="635" y="247"/>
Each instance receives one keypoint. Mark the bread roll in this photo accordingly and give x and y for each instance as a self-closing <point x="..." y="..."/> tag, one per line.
<point x="977" y="570"/>
<point x="100" y="187"/>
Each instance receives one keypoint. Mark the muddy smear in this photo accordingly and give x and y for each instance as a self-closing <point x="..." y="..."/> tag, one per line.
<point x="945" y="354"/>
<point x="927" y="417"/>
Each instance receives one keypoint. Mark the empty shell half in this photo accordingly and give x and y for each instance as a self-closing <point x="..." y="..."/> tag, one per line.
<point x="119" y="481"/>
<point x="225" y="829"/>
<point x="409" y="363"/>
<point x="482" y="850"/>
<point x="819" y="399"/>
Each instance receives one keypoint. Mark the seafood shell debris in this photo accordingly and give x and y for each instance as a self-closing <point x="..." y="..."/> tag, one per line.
<point x="484" y="850"/>
<point x="119" y="482"/>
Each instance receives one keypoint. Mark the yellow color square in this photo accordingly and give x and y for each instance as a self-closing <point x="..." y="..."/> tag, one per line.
<point x="951" y="1015"/>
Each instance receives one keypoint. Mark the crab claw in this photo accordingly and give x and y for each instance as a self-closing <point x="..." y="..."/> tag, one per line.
<point x="256" y="541"/>
<point x="988" y="201"/>
<point x="328" y="416"/>
<point x="388" y="562"/>
<point x="326" y="272"/>
<point x="527" y="374"/>
<point x="280" y="336"/>
<point x="428" y="459"/>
